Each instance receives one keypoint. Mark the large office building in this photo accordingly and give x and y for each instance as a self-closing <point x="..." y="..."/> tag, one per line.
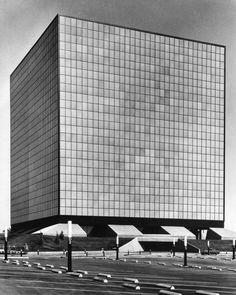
<point x="114" y="125"/>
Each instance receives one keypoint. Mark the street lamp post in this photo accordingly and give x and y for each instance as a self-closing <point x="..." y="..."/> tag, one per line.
<point x="117" y="247"/>
<point x="174" y="247"/>
<point x="5" y="242"/>
<point x="185" y="251"/>
<point x="208" y="247"/>
<point x="69" y="252"/>
<point x="233" y="249"/>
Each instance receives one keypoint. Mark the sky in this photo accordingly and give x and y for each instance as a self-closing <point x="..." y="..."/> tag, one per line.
<point x="214" y="21"/>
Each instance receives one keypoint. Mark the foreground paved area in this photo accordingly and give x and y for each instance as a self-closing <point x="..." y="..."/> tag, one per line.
<point x="205" y="273"/>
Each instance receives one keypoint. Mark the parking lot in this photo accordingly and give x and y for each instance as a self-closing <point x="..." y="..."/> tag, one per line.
<point x="153" y="272"/>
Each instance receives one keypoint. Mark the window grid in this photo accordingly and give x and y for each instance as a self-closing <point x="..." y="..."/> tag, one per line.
<point x="142" y="124"/>
<point x="34" y="131"/>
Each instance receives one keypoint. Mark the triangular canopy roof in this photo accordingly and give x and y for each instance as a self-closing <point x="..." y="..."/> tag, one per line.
<point x="179" y="232"/>
<point x="224" y="233"/>
<point x="125" y="231"/>
<point x="52" y="230"/>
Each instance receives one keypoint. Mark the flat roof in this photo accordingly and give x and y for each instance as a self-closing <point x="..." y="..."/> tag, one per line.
<point x="115" y="25"/>
<point x="140" y="30"/>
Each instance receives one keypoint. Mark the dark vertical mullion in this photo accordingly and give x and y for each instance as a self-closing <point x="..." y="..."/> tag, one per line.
<point x="224" y="130"/>
<point x="59" y="139"/>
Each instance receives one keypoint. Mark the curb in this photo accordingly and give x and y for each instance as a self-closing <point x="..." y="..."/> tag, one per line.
<point x="167" y="286"/>
<point x="83" y="272"/>
<point x="75" y="274"/>
<point x="100" y="279"/>
<point x="56" y="270"/>
<point x="26" y="264"/>
<point x="168" y="292"/>
<point x="132" y="286"/>
<point x="49" y="265"/>
<point x="135" y="281"/>
<point x="106" y="275"/>
<point x="161" y="263"/>
<point x="206" y="292"/>
<point x="41" y="267"/>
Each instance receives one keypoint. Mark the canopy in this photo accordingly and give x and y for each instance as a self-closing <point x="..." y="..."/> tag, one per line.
<point x="179" y="232"/>
<point x="125" y="231"/>
<point x="224" y="233"/>
<point x="52" y="230"/>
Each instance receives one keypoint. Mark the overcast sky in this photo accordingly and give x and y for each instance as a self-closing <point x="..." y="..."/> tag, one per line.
<point x="23" y="21"/>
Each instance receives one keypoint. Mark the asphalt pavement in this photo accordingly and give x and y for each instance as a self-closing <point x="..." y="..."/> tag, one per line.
<point x="148" y="274"/>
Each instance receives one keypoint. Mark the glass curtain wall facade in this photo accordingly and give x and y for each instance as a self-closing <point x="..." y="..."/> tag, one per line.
<point x="114" y="122"/>
<point x="34" y="131"/>
<point x="141" y="124"/>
